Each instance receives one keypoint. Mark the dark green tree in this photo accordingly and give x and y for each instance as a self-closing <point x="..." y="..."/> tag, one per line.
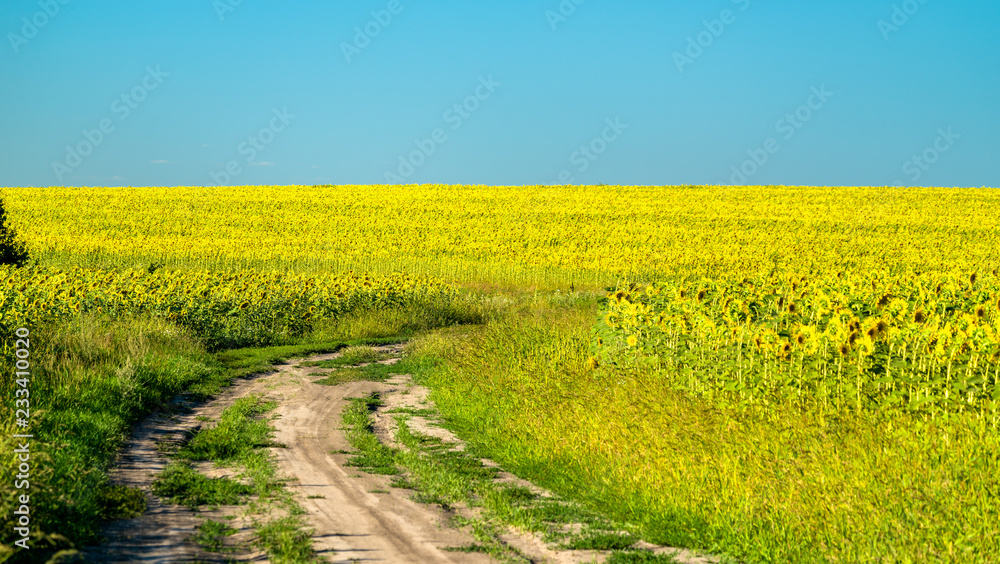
<point x="12" y="250"/>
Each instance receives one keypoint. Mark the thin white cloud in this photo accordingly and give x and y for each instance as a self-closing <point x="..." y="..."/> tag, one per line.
<point x="160" y="161"/>
<point x="263" y="163"/>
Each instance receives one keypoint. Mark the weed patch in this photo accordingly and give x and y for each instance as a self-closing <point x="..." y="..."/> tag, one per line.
<point x="286" y="541"/>
<point x="237" y="434"/>
<point x="601" y="541"/>
<point x="212" y="535"/>
<point x="351" y="355"/>
<point x="179" y="483"/>
<point x="373" y="456"/>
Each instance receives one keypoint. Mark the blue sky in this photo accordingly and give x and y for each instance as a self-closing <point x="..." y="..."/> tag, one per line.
<point x="210" y="92"/>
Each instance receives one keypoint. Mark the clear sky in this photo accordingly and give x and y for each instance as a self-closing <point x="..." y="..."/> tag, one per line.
<point x="207" y="92"/>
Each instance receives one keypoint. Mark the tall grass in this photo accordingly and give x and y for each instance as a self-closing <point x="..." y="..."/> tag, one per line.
<point x="92" y="377"/>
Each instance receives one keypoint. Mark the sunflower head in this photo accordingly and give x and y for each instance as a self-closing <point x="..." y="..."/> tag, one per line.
<point x="919" y="316"/>
<point x="882" y="327"/>
<point x="632" y="340"/>
<point x="592" y="363"/>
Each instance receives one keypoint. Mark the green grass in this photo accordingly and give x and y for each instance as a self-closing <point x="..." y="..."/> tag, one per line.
<point x="236" y="435"/>
<point x="92" y="378"/>
<point x="181" y="484"/>
<point x="639" y="557"/>
<point x="287" y="541"/>
<point x="212" y="535"/>
<point x="372" y="372"/>
<point x="414" y="412"/>
<point x="468" y="548"/>
<point x="357" y="354"/>
<point x="401" y="323"/>
<point x="373" y="456"/>
<point x="760" y="485"/>
<point x="601" y="540"/>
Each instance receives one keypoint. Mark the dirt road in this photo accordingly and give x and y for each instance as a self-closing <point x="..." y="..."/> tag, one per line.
<point x="162" y="534"/>
<point x="357" y="517"/>
<point x="352" y="523"/>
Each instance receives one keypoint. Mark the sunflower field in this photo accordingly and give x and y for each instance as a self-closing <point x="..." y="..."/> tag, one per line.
<point x="926" y="343"/>
<point x="543" y="236"/>
<point x="225" y="310"/>
<point x="772" y="373"/>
